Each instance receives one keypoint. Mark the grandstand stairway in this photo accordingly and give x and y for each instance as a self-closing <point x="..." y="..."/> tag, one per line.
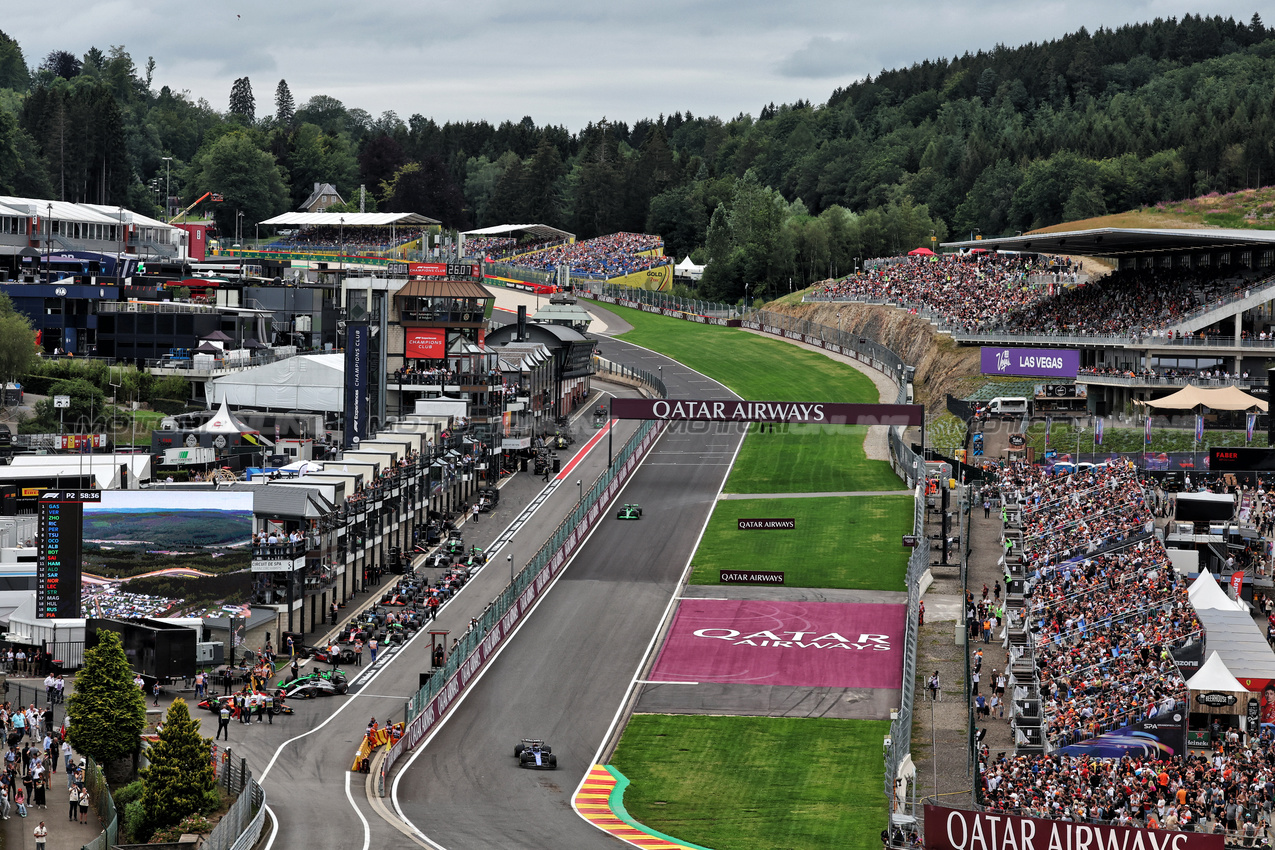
<point x="1256" y="295"/>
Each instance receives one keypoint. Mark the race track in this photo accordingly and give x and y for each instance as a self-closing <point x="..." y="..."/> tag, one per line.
<point x="565" y="674"/>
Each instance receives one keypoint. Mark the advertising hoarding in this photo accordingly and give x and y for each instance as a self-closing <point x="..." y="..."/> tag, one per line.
<point x="1030" y="362"/>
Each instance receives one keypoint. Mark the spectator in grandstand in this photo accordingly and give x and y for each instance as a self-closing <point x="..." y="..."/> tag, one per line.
<point x="605" y="256"/>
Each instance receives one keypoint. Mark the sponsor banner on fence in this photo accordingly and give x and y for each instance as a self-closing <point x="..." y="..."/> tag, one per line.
<point x="491" y="642"/>
<point x="961" y="829"/>
<point x="799" y="644"/>
<point x="810" y="413"/>
<point x="1030" y="362"/>
<point x="698" y="318"/>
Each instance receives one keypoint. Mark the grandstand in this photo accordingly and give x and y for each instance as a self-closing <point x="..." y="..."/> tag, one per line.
<point x="350" y="233"/>
<point x="505" y="241"/>
<point x="1179" y="303"/>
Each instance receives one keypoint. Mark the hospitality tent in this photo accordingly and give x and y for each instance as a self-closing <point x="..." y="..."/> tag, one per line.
<point x="688" y="269"/>
<point x="1205" y="593"/>
<point x="224" y="422"/>
<point x="1241" y="644"/>
<point x="305" y="382"/>
<point x="921" y="252"/>
<point x="1220" y="398"/>
<point x="1212" y="684"/>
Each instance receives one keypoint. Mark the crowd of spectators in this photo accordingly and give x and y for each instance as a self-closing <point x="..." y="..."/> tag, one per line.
<point x="1033" y="294"/>
<point x="1104" y="624"/>
<point x="1150" y="373"/>
<point x="605" y="256"/>
<point x="968" y="291"/>
<point x="350" y="239"/>
<point x="504" y="247"/>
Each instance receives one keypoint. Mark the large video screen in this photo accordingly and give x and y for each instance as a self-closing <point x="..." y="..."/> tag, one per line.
<point x="134" y="532"/>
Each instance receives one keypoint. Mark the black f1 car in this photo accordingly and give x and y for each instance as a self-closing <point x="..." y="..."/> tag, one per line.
<point x="532" y="753"/>
<point x="630" y="512"/>
<point x="309" y="688"/>
<point x="455" y="545"/>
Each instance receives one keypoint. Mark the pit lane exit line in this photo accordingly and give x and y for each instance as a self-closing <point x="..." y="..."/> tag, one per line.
<point x="571" y="464"/>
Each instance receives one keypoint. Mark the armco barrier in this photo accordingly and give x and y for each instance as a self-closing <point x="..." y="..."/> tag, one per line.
<point x="490" y="641"/>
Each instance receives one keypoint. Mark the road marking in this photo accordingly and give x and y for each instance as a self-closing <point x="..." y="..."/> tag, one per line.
<point x="579" y="456"/>
<point x="508" y="641"/>
<point x="650" y="647"/>
<point x="661" y="682"/>
<point x="367" y="829"/>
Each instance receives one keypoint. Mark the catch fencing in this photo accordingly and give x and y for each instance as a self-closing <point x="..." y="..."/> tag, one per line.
<point x="240" y="827"/>
<point x="104" y="804"/>
<point x="486" y="636"/>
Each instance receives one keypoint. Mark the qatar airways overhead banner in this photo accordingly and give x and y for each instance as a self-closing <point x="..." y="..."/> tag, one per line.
<point x="801" y="644"/>
<point x="962" y="829"/>
<point x="808" y="413"/>
<point x="1031" y="362"/>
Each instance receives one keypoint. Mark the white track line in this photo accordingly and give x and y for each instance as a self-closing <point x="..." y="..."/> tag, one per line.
<point x="668" y="610"/>
<point x="367" y="830"/>
<point x="420" y="748"/>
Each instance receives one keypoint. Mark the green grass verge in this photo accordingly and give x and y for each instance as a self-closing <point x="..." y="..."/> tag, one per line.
<point x="757" y="368"/>
<point x="808" y="459"/>
<point x="801" y="459"/>
<point x="852" y="542"/>
<point x="756" y="783"/>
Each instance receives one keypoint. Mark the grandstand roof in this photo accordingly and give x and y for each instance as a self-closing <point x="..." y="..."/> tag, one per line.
<point x="309" y="219"/>
<point x="1125" y="242"/>
<point x="541" y="230"/>
<point x="443" y="289"/>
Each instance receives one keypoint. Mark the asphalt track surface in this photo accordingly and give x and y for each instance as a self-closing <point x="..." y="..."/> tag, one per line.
<point x="303" y="760"/>
<point x="567" y="672"/>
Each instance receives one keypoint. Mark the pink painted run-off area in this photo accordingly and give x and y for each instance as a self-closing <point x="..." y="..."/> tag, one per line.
<point x="795" y="644"/>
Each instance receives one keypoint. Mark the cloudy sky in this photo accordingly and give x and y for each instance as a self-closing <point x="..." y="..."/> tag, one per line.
<point x="568" y="62"/>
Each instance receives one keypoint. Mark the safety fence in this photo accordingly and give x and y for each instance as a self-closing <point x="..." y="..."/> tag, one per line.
<point x="484" y="638"/>
<point x="240" y="827"/>
<point x="103" y="804"/>
<point x="653" y="301"/>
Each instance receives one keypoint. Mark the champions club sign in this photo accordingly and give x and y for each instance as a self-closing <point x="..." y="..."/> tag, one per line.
<point x="805" y="413"/>
<point x="959" y="829"/>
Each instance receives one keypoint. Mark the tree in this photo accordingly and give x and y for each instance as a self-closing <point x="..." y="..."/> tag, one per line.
<point x="61" y="64"/>
<point x="17" y="343"/>
<point x="284" y="107"/>
<point x="180" y="773"/>
<point x="242" y="103"/>
<point x="107" y="711"/>
<point x="246" y="176"/>
<point x="13" y="67"/>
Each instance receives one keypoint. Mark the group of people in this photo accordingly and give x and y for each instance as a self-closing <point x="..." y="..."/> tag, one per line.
<point x="503" y="247"/>
<point x="1104" y="623"/>
<point x="348" y="239"/>
<point x="606" y="256"/>
<point x="1228" y="791"/>
<point x="968" y="291"/>
<point x="30" y="763"/>
<point x="983" y="292"/>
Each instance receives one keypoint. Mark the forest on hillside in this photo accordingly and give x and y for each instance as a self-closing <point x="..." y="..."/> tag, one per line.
<point x="994" y="142"/>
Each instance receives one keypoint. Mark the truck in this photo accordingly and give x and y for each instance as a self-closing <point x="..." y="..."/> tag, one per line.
<point x="1008" y="407"/>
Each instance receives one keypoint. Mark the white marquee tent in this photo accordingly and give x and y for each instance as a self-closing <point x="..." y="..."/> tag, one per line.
<point x="306" y="382"/>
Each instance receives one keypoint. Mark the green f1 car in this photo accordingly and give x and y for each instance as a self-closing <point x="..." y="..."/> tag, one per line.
<point x="288" y="682"/>
<point x="630" y="512"/>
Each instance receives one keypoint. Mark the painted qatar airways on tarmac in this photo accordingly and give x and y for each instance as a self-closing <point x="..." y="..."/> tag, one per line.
<point x="795" y="644"/>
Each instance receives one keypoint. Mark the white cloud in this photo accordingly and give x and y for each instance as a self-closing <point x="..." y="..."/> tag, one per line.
<point x="563" y="62"/>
